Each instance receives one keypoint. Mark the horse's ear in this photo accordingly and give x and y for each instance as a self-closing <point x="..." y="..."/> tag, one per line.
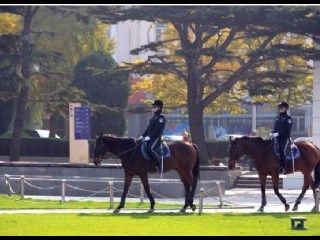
<point x="99" y="136"/>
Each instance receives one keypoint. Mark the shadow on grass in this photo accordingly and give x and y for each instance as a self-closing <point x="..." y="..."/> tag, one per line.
<point x="136" y="215"/>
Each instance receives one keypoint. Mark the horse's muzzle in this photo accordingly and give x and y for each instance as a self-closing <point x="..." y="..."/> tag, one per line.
<point x="231" y="166"/>
<point x="97" y="161"/>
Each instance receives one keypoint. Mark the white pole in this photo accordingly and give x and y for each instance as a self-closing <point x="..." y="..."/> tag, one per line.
<point x="22" y="187"/>
<point x="254" y="117"/>
<point x="111" y="194"/>
<point x="141" y="192"/>
<point x="220" y="193"/>
<point x="7" y="178"/>
<point x="317" y="199"/>
<point x="63" y="190"/>
<point x="201" y="200"/>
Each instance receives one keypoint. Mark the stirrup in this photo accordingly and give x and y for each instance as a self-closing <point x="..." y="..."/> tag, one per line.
<point x="282" y="171"/>
<point x="155" y="169"/>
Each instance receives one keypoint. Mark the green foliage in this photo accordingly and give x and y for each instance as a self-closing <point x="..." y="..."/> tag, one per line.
<point x="35" y="146"/>
<point x="106" y="89"/>
<point x="218" y="149"/>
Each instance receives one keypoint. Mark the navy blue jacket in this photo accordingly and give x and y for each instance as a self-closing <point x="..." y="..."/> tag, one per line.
<point x="283" y="126"/>
<point x="156" y="126"/>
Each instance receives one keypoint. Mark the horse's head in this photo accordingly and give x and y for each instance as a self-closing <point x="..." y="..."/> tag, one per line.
<point x="235" y="152"/>
<point x="100" y="150"/>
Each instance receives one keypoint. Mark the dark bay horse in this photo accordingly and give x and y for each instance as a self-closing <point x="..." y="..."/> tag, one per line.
<point x="267" y="163"/>
<point x="184" y="159"/>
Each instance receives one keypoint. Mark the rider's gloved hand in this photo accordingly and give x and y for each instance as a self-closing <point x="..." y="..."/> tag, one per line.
<point x="140" y="138"/>
<point x="147" y="138"/>
<point x="274" y="135"/>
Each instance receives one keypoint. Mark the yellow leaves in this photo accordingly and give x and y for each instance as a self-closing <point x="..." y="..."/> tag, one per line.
<point x="167" y="87"/>
<point x="10" y="23"/>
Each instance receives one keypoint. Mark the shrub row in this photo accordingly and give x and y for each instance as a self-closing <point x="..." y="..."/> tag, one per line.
<point x="53" y="147"/>
<point x="40" y="147"/>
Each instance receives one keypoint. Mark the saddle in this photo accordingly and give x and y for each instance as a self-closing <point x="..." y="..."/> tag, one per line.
<point x="164" y="152"/>
<point x="292" y="151"/>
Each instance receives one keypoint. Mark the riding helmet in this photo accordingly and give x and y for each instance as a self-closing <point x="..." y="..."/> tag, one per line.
<point x="157" y="103"/>
<point x="283" y="104"/>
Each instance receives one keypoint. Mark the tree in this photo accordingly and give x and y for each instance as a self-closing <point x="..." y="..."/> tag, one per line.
<point x="198" y="59"/>
<point x="22" y="56"/>
<point x="107" y="90"/>
<point x="75" y="39"/>
<point x="24" y="71"/>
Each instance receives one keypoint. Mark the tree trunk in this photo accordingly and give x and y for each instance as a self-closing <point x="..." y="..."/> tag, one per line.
<point x="18" y="124"/>
<point x="53" y="124"/>
<point x="197" y="133"/>
<point x="24" y="91"/>
<point x="195" y="111"/>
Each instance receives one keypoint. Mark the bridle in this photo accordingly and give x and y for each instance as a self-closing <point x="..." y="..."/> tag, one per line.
<point x="126" y="151"/>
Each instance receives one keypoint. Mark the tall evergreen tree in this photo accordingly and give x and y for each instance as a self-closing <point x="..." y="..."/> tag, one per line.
<point x="107" y="90"/>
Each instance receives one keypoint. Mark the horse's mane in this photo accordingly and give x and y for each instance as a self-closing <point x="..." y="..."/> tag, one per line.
<point x="258" y="140"/>
<point x="114" y="138"/>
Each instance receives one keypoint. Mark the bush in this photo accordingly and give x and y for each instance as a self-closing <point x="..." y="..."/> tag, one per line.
<point x="218" y="149"/>
<point x="39" y="147"/>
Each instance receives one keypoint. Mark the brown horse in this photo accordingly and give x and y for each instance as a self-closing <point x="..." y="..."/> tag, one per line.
<point x="267" y="163"/>
<point x="184" y="159"/>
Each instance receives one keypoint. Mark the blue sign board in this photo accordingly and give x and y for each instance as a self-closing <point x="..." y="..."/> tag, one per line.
<point x="82" y="123"/>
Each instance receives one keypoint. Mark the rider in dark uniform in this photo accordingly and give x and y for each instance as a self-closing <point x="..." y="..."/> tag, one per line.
<point x="154" y="131"/>
<point x="282" y="131"/>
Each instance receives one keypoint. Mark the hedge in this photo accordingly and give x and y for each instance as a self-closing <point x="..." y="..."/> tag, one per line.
<point x="54" y="147"/>
<point x="40" y="147"/>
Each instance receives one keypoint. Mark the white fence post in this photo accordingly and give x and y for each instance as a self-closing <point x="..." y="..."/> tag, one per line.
<point x="220" y="193"/>
<point x="141" y="192"/>
<point x="7" y="178"/>
<point x="111" y="194"/>
<point x="22" y="187"/>
<point x="201" y="200"/>
<point x="317" y="199"/>
<point x="63" y="190"/>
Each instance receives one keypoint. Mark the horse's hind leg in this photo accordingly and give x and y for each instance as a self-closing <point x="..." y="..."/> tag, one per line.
<point x="127" y="183"/>
<point x="188" y="191"/>
<point x="306" y="182"/>
<point x="313" y="187"/>
<point x="145" y="182"/>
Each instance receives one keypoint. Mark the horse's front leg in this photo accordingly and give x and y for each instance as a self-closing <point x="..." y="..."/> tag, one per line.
<point x="275" y="183"/>
<point x="306" y="183"/>
<point x="127" y="183"/>
<point x="263" y="180"/>
<point x="145" y="182"/>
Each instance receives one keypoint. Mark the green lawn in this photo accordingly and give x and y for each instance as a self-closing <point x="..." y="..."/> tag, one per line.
<point x="144" y="224"/>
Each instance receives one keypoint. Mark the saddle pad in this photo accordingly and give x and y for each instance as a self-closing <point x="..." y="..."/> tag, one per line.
<point x="146" y="155"/>
<point x="291" y="151"/>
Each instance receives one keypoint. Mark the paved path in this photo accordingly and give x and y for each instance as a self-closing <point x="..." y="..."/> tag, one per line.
<point x="234" y="200"/>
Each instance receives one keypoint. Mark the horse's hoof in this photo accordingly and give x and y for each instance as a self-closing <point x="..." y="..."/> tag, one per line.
<point x="287" y="207"/>
<point x="150" y="210"/>
<point x="260" y="210"/>
<point x="193" y="207"/>
<point x="295" y="208"/>
<point x="117" y="210"/>
<point x="314" y="209"/>
<point x="182" y="210"/>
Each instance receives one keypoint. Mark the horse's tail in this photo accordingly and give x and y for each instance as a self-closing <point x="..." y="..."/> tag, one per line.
<point x="196" y="167"/>
<point x="317" y="175"/>
<point x="317" y="171"/>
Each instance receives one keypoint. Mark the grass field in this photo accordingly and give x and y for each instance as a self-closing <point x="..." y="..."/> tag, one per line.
<point x="143" y="224"/>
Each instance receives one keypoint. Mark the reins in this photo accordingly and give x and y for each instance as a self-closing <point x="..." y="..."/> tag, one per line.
<point x="125" y="164"/>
